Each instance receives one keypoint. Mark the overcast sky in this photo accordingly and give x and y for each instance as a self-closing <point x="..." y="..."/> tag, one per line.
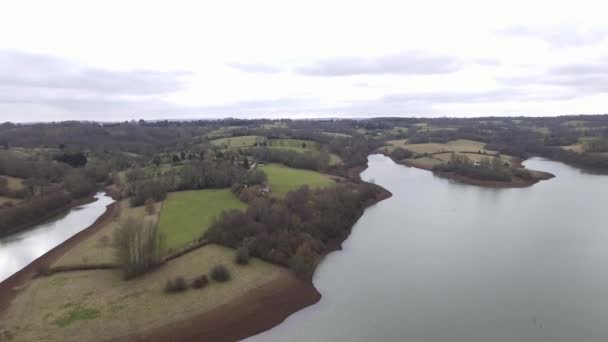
<point x="119" y="60"/>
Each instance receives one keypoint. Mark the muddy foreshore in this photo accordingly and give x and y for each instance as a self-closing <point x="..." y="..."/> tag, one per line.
<point x="11" y="285"/>
<point x="252" y="313"/>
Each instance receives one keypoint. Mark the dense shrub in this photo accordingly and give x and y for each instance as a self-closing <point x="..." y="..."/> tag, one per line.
<point x="242" y="256"/>
<point x="200" y="282"/>
<point x="150" y="209"/>
<point x="77" y="159"/>
<point x="486" y="170"/>
<point x="78" y="184"/>
<point x="177" y="284"/>
<point x="155" y="190"/>
<point x="276" y="229"/>
<point x="220" y="273"/>
<point x="303" y="160"/>
<point x="31" y="211"/>
<point x="400" y="154"/>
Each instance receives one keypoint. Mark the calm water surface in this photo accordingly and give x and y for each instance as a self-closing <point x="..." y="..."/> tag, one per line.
<point x="18" y="250"/>
<point x="442" y="261"/>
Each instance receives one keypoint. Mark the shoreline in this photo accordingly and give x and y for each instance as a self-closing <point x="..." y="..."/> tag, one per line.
<point x="50" y="215"/>
<point x="516" y="182"/>
<point x="11" y="286"/>
<point x="252" y="313"/>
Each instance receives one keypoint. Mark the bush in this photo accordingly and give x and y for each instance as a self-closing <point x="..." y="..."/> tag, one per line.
<point x="242" y="256"/>
<point x="200" y="282"/>
<point x="178" y="284"/>
<point x="401" y="153"/>
<point x="150" y="209"/>
<point x="220" y="273"/>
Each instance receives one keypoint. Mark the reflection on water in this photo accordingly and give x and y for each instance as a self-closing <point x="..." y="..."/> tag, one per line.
<point x="18" y="250"/>
<point x="443" y="261"/>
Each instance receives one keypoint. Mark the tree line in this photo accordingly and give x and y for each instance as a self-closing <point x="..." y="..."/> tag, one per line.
<point x="297" y="230"/>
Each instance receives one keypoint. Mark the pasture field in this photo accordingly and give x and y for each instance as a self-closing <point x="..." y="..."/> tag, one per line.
<point x="103" y="306"/>
<point x="4" y="199"/>
<point x="300" y="146"/>
<point x="578" y="148"/>
<point x="460" y="145"/>
<point x="334" y="159"/>
<point x="186" y="215"/>
<point x="233" y="142"/>
<point x="293" y="143"/>
<point x="436" y="128"/>
<point x="283" y="179"/>
<point x="476" y="157"/>
<point x="337" y="135"/>
<point x="432" y="154"/>
<point x="574" y="123"/>
<point x="393" y="144"/>
<point x="221" y="132"/>
<point x="542" y="130"/>
<point x="14" y="183"/>
<point x="424" y="162"/>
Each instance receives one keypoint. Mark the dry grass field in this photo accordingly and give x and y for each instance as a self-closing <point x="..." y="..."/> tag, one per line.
<point x="100" y="305"/>
<point x="99" y="248"/>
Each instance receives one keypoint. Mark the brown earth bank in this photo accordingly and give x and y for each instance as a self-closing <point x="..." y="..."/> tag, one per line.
<point x="11" y="285"/>
<point x="249" y="314"/>
<point x="257" y="311"/>
<point x="51" y="214"/>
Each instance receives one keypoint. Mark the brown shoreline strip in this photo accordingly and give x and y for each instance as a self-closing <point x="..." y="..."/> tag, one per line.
<point x="11" y="285"/>
<point x="249" y="314"/>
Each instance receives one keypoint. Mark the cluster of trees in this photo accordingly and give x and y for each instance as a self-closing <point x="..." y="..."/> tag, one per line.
<point x="48" y="186"/>
<point x="76" y="159"/>
<point x="585" y="160"/>
<point x="486" y="169"/>
<point x="138" y="245"/>
<point x="14" y="218"/>
<point x="400" y="154"/>
<point x="303" y="160"/>
<point x="221" y="173"/>
<point x="98" y="137"/>
<point x="142" y="186"/>
<point x="296" y="230"/>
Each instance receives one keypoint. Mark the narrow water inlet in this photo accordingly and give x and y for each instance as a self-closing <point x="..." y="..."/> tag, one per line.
<point x="20" y="249"/>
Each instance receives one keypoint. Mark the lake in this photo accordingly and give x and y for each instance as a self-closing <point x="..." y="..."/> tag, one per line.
<point x="443" y="261"/>
<point x="18" y="250"/>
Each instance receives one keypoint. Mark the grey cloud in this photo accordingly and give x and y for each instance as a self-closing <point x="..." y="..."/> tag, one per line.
<point x="42" y="71"/>
<point x="560" y="36"/>
<point x="59" y="86"/>
<point x="405" y="64"/>
<point x="415" y="63"/>
<point x="586" y="78"/>
<point x="253" y="67"/>
<point x="489" y="96"/>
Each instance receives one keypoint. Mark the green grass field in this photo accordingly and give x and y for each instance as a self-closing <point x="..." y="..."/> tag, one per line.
<point x="232" y="142"/>
<point x="283" y="179"/>
<point x="186" y="215"/>
<point x="337" y="135"/>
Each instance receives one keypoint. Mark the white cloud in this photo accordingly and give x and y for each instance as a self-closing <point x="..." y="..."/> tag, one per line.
<point x="116" y="60"/>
